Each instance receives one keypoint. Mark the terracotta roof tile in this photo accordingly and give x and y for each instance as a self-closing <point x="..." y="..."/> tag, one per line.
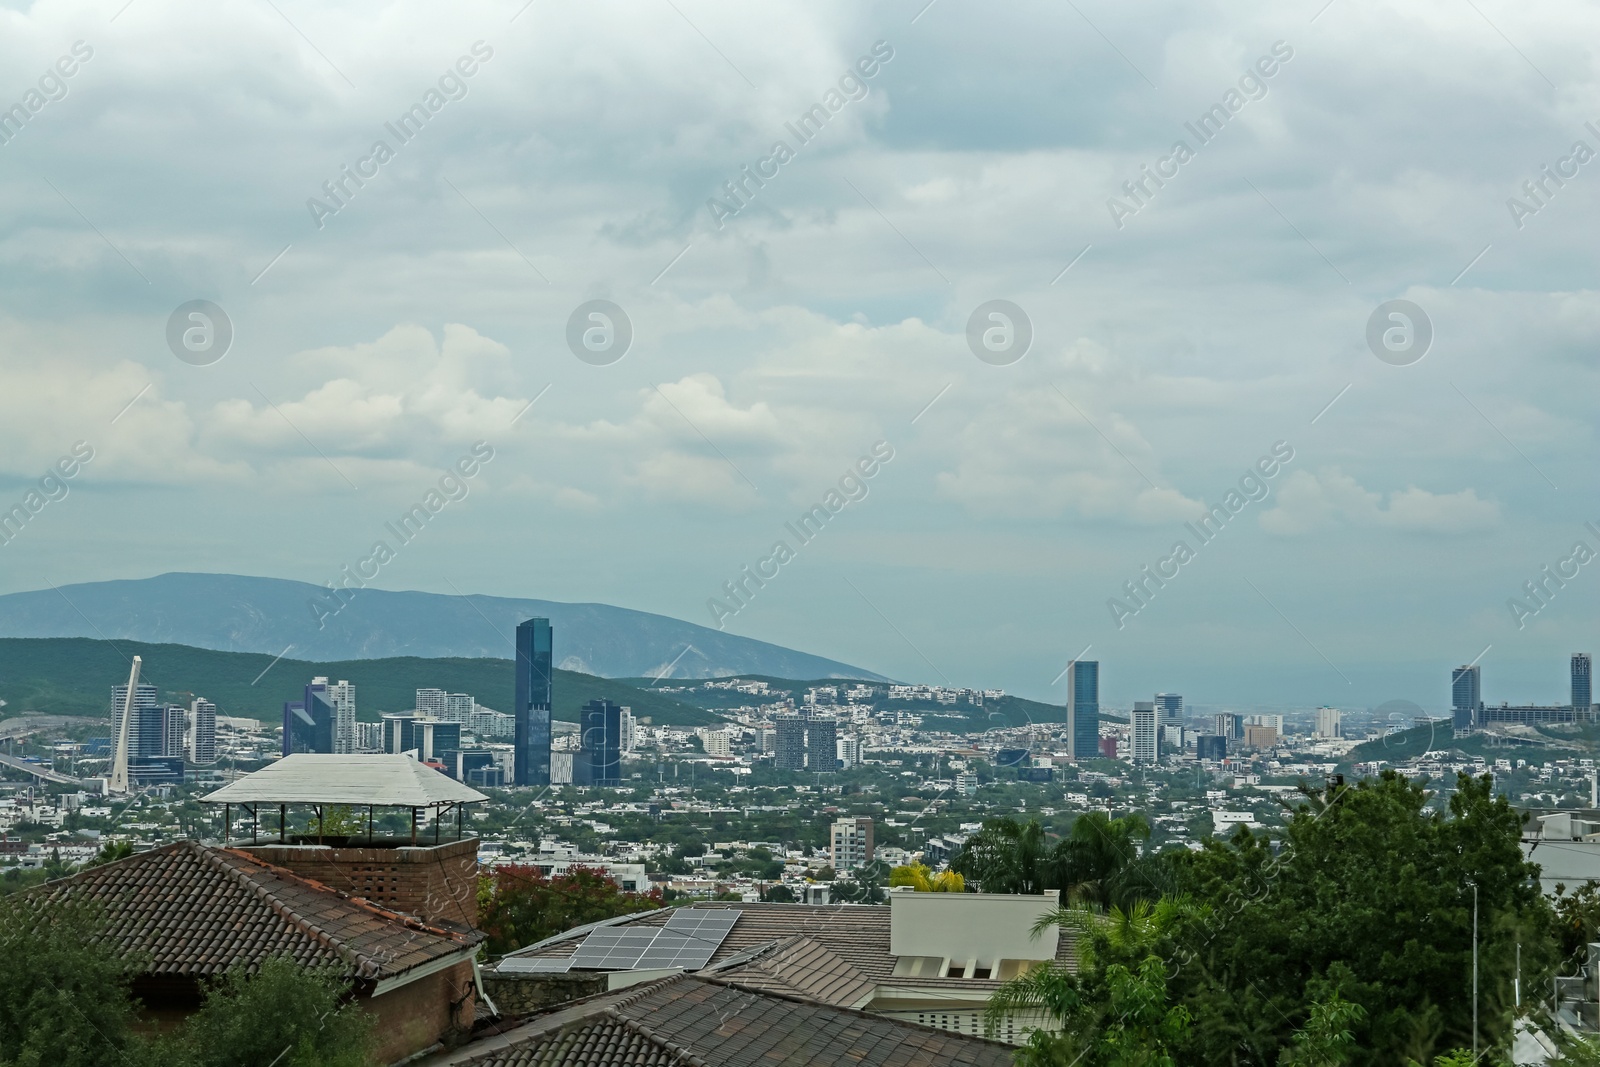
<point x="194" y="911"/>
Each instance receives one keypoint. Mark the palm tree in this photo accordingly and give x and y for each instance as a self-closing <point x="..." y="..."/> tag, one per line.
<point x="1098" y="862"/>
<point x="1007" y="856"/>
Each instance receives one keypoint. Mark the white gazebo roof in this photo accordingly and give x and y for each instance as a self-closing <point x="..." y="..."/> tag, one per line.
<point x="316" y="778"/>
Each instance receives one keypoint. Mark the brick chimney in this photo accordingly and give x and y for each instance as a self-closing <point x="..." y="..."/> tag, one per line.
<point x="430" y="882"/>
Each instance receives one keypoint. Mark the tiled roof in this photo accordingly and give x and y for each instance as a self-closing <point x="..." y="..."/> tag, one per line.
<point x="800" y="966"/>
<point x="693" y="1020"/>
<point x="193" y="911"/>
<point x="856" y="935"/>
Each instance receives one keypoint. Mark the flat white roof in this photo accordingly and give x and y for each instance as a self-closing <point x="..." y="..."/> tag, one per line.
<point x="315" y="778"/>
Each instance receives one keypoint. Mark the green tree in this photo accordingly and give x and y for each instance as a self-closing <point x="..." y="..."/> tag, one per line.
<point x="63" y="990"/>
<point x="524" y="905"/>
<point x="1371" y="897"/>
<point x="283" y="1014"/>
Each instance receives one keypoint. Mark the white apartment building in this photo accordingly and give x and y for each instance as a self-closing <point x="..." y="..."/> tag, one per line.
<point x="1328" y="722"/>
<point x="430" y="702"/>
<point x="342" y="698"/>
<point x="716" y="742"/>
<point x="850" y="843"/>
<point x="1145" y="733"/>
<point x="202" y="731"/>
<point x="848" y="750"/>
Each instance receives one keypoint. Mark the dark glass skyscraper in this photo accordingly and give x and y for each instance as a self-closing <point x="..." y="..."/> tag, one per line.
<point x="1582" y="695"/>
<point x="1466" y="698"/>
<point x="308" y="723"/>
<point x="534" y="696"/>
<point x="599" y="759"/>
<point x="1083" y="709"/>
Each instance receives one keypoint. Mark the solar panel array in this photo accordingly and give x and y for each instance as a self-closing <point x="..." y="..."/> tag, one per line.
<point x="688" y="940"/>
<point x="522" y="965"/>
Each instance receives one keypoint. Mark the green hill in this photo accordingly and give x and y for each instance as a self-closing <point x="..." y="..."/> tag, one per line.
<point x="1441" y="737"/>
<point x="74" y="676"/>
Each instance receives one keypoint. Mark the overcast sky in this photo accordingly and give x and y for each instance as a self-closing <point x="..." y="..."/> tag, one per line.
<point x="1178" y="335"/>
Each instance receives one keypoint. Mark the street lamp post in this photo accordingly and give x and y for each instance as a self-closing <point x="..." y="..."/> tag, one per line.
<point x="1474" y="886"/>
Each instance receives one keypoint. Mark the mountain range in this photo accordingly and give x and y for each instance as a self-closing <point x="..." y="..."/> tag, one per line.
<point x="233" y="613"/>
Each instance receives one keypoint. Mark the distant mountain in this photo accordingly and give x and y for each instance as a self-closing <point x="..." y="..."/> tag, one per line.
<point x="231" y="613"/>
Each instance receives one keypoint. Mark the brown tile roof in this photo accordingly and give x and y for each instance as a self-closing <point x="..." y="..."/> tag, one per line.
<point x="801" y="966"/>
<point x="856" y="935"/>
<point x="693" y="1020"/>
<point x="193" y="910"/>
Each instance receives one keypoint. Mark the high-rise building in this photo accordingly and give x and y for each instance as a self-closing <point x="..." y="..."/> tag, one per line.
<point x="430" y="703"/>
<point x="599" y="759"/>
<point x="174" y="730"/>
<point x="1329" y="722"/>
<point x="1145" y="733"/>
<point x="1228" y="726"/>
<point x="1582" y="694"/>
<point x="849" y="752"/>
<point x="789" y="752"/>
<point x="436" y="740"/>
<point x="1083" y="709"/>
<point x="716" y="743"/>
<point x="1466" y="698"/>
<point x="535" y="680"/>
<point x="399" y="734"/>
<point x="147" y="730"/>
<point x="309" y="723"/>
<point x="1211" y="747"/>
<point x="458" y="707"/>
<point x="822" y="745"/>
<point x="341" y="696"/>
<point x="202" y="731"/>
<point x="1169" y="709"/>
<point x="630" y="731"/>
<point x="850" y="843"/>
<point x="369" y="737"/>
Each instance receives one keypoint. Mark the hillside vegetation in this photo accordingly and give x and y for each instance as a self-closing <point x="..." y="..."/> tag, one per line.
<point x="74" y="676"/>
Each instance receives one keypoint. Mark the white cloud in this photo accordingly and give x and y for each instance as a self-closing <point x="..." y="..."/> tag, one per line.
<point x="1308" y="502"/>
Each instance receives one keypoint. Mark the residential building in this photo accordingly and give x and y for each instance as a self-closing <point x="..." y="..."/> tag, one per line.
<point x="174" y="730"/>
<point x="933" y="959"/>
<point x="1228" y="726"/>
<point x="716" y="743"/>
<point x="369" y="737"/>
<point x="342" y="695"/>
<point x="535" y="679"/>
<point x="630" y="731"/>
<point x="1083" y="709"/>
<point x="486" y="722"/>
<point x="790" y="743"/>
<point x="1260" y="736"/>
<point x="966" y="784"/>
<point x="849" y="753"/>
<point x="822" y="745"/>
<point x="202" y="731"/>
<point x="1169" y="709"/>
<point x="1466" y="697"/>
<point x="1146" y="737"/>
<point x="1582" y="694"/>
<point x="850" y="844"/>
<point x="430" y="703"/>
<point x="1329" y="722"/>
<point x="599" y="758"/>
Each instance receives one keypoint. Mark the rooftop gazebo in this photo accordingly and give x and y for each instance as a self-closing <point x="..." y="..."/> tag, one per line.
<point x="319" y="782"/>
<point x="432" y="878"/>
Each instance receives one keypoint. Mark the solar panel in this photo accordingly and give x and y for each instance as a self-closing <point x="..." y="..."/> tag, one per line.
<point x="688" y="940"/>
<point x="519" y="965"/>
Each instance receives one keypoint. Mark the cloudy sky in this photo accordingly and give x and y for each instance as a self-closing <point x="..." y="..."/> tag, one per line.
<point x="1355" y="153"/>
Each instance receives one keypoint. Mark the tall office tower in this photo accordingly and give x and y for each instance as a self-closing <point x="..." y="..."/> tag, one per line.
<point x="1466" y="698"/>
<point x="458" y="707"/>
<point x="1211" y="747"/>
<point x="436" y="740"/>
<point x="1582" y="695"/>
<point x="1169" y="709"/>
<point x="202" y="731"/>
<point x="789" y="751"/>
<point x="1083" y="709"/>
<point x="430" y="703"/>
<point x="1329" y="722"/>
<point x="1228" y="726"/>
<point x="599" y="759"/>
<point x="1146" y="733"/>
<point x="850" y="843"/>
<point x="398" y="734"/>
<point x="534" y="695"/>
<point x="174" y="730"/>
<point x="147" y="729"/>
<point x="308" y="724"/>
<point x="822" y="745"/>
<point x="343" y="698"/>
